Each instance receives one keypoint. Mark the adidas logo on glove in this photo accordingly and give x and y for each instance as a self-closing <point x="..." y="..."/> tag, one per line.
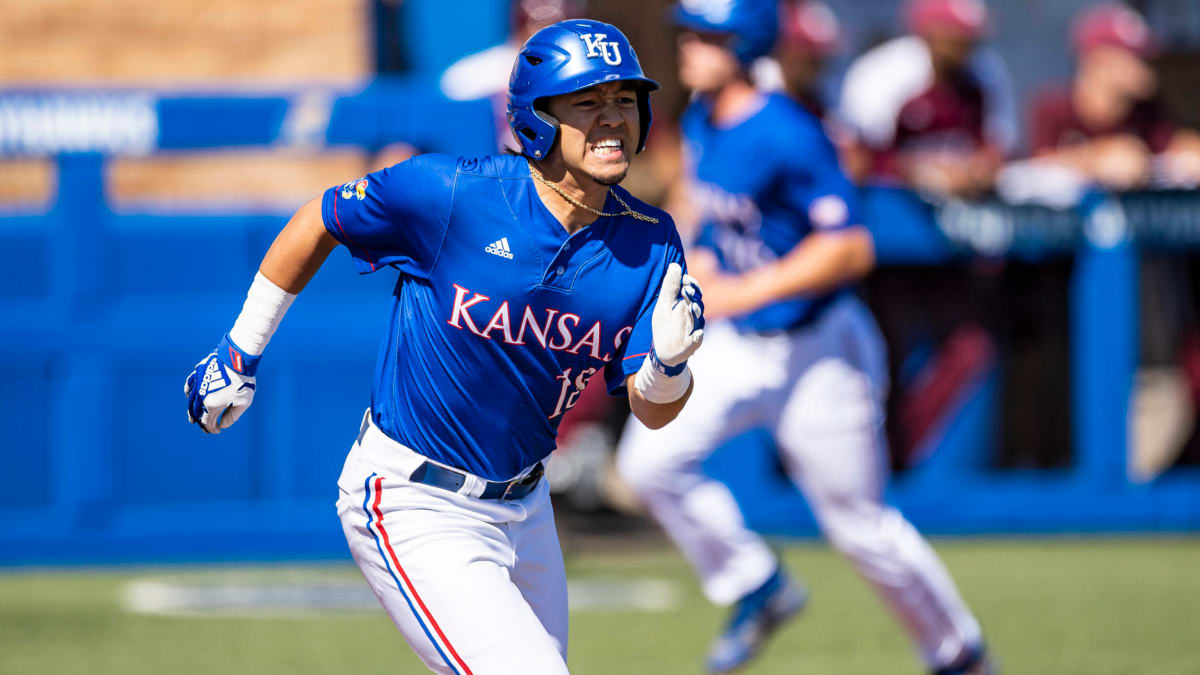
<point x="500" y="248"/>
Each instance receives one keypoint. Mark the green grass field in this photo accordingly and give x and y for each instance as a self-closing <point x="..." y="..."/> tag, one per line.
<point x="1049" y="606"/>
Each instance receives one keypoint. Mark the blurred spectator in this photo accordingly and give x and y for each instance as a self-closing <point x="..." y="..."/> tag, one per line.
<point x="1108" y="123"/>
<point x="485" y="74"/>
<point x="1109" y="126"/>
<point x="809" y="33"/>
<point x="934" y="109"/>
<point x="1162" y="411"/>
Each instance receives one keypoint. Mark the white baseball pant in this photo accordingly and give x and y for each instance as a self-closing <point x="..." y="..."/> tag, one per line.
<point x="476" y="586"/>
<point x="821" y="390"/>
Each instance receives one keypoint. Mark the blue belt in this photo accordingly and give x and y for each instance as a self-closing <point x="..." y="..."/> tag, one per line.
<point x="449" y="479"/>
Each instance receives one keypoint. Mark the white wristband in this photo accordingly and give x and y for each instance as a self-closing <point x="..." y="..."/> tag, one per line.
<point x="659" y="388"/>
<point x="265" y="306"/>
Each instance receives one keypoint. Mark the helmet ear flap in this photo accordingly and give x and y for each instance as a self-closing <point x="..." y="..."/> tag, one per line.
<point x="535" y="131"/>
<point x="548" y="119"/>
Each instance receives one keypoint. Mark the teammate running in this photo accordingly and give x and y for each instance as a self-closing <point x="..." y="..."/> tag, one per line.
<point x="778" y="250"/>
<point x="522" y="277"/>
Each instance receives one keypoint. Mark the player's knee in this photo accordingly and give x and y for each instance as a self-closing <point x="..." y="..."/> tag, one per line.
<point x="654" y="475"/>
<point x="852" y="526"/>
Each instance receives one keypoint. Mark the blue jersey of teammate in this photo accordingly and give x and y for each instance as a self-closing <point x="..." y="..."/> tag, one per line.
<point x="499" y="317"/>
<point x="760" y="186"/>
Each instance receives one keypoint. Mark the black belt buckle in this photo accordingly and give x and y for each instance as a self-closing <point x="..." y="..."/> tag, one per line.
<point x="517" y="489"/>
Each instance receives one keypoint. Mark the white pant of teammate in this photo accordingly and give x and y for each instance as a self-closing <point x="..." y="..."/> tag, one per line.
<point x="474" y="585"/>
<point x="821" y="390"/>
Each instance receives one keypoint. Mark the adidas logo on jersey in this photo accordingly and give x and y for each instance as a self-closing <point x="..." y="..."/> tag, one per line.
<point x="500" y="248"/>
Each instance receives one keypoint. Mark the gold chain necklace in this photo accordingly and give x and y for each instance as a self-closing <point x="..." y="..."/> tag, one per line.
<point x="580" y="205"/>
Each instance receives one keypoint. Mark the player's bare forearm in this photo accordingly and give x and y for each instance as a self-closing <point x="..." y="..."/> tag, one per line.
<point x="856" y="160"/>
<point x="1078" y="157"/>
<point x="299" y="250"/>
<point x="1184" y="140"/>
<point x="821" y="262"/>
<point x="654" y="415"/>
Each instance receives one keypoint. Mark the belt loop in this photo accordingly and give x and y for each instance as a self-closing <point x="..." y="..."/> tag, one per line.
<point x="366" y="424"/>
<point x="474" y="487"/>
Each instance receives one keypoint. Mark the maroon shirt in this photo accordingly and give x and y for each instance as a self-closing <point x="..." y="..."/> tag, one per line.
<point x="1056" y="125"/>
<point x="945" y="118"/>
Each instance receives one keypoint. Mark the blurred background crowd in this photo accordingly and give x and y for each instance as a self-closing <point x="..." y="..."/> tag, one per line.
<point x="997" y="144"/>
<point x="1019" y="103"/>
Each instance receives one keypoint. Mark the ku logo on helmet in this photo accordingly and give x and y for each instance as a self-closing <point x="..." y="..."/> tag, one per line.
<point x="599" y="46"/>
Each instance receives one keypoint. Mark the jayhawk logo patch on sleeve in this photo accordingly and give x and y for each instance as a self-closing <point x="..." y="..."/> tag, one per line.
<point x="355" y="188"/>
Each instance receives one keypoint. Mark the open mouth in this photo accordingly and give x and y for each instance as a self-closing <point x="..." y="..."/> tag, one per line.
<point x="608" y="148"/>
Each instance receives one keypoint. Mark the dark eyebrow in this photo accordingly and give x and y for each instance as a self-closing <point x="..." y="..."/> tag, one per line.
<point x="594" y="89"/>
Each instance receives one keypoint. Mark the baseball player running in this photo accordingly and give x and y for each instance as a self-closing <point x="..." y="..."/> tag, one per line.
<point x="778" y="248"/>
<point x="522" y="277"/>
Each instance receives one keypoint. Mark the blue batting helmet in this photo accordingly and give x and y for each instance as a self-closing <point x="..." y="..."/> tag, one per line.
<point x="563" y="58"/>
<point x="753" y="24"/>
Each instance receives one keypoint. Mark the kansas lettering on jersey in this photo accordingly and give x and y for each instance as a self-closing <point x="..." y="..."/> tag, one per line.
<point x="499" y="318"/>
<point x="760" y="186"/>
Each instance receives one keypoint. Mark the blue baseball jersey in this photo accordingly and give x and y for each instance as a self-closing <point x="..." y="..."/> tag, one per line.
<point x="499" y="318"/>
<point x="760" y="186"/>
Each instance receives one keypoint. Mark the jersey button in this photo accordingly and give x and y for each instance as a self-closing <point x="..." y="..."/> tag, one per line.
<point x="560" y="271"/>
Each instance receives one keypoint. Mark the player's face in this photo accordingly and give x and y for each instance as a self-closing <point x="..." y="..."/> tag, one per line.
<point x="598" y="130"/>
<point x="1121" y="73"/>
<point x="706" y="64"/>
<point x="801" y="67"/>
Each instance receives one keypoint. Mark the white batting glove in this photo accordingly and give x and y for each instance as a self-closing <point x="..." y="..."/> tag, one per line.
<point x="678" y="320"/>
<point x="221" y="387"/>
<point x="678" y="329"/>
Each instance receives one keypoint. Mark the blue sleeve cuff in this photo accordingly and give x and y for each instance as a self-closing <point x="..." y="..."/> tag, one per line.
<point x="235" y="359"/>
<point x="669" y="371"/>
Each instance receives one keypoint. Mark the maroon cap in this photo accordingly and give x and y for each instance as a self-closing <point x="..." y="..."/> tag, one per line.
<point x="966" y="17"/>
<point x="1114" y="25"/>
<point x="809" y="24"/>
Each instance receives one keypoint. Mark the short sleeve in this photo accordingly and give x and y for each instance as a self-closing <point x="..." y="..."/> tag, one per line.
<point x="878" y="84"/>
<point x="628" y="358"/>
<point x="1000" y="103"/>
<point x="813" y="182"/>
<point x="706" y="237"/>
<point x="395" y="217"/>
